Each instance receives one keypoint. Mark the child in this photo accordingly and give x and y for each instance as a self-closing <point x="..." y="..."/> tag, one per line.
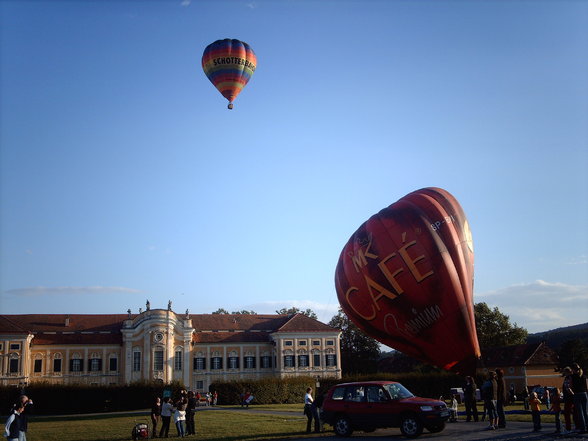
<point x="453" y="409"/>
<point x="556" y="408"/>
<point x="535" y="404"/>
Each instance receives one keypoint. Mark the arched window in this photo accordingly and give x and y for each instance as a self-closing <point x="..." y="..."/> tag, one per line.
<point x="57" y="363"/>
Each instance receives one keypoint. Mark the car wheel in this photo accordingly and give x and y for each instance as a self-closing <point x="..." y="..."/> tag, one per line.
<point x="411" y="426"/>
<point x="436" y="428"/>
<point x="342" y="426"/>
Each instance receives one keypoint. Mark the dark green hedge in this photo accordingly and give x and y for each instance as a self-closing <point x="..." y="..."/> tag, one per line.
<point x="52" y="399"/>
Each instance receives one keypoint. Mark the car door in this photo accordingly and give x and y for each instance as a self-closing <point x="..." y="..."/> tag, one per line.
<point x="379" y="406"/>
<point x="356" y="406"/>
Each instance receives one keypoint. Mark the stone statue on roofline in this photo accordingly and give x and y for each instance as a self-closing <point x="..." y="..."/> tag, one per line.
<point x="169" y="303"/>
<point x="148" y="305"/>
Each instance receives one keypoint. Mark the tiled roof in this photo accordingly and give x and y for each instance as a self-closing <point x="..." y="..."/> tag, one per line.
<point x="300" y="322"/>
<point x="106" y="328"/>
<point x="517" y="355"/>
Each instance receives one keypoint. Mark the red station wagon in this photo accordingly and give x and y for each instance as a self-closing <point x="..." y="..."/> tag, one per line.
<point x="370" y="405"/>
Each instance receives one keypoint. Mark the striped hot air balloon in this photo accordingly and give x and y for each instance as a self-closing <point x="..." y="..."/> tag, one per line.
<point x="229" y="64"/>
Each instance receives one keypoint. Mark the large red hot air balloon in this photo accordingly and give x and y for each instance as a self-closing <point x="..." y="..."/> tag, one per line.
<point x="406" y="278"/>
<point x="229" y="65"/>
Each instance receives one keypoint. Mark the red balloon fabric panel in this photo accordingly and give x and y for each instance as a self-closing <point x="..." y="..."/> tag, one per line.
<point x="406" y="278"/>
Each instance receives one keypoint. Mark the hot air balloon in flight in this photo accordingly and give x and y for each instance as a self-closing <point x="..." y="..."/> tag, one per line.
<point x="229" y="65"/>
<point x="405" y="277"/>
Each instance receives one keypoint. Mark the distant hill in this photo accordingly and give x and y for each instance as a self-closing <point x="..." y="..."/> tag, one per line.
<point x="556" y="337"/>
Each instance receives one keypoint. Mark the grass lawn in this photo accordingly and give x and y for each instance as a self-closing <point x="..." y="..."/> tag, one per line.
<point x="211" y="425"/>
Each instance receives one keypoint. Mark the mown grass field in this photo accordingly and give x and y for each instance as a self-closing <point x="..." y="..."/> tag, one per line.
<point x="211" y="425"/>
<point x="220" y="424"/>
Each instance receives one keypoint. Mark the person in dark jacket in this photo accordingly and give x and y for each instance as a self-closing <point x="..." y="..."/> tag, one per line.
<point x="501" y="398"/>
<point x="190" y="412"/>
<point x="580" y="388"/>
<point x="469" y="399"/>
<point x="155" y="416"/>
<point x="13" y="430"/>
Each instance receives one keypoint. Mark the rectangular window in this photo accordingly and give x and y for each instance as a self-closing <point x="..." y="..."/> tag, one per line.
<point x="288" y="343"/>
<point x="1" y="346"/>
<point x="303" y="361"/>
<point x="158" y="360"/>
<point x="288" y="361"/>
<point x="13" y="368"/>
<point x="95" y="364"/>
<point x="38" y="366"/>
<point x="113" y="364"/>
<point x="76" y="365"/>
<point x="199" y="363"/>
<point x="331" y="360"/>
<point x="233" y="362"/>
<point x="316" y="342"/>
<point x="216" y="363"/>
<point x="266" y="362"/>
<point x="302" y="343"/>
<point x="178" y="361"/>
<point x="57" y="365"/>
<point x="136" y="361"/>
<point x="14" y="346"/>
<point x="200" y="385"/>
<point x="330" y="343"/>
<point x="316" y="359"/>
<point x="249" y="362"/>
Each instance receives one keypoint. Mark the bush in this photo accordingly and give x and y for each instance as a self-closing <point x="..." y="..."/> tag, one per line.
<point x="60" y="399"/>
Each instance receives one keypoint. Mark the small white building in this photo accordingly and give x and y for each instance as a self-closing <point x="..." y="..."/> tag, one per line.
<point x="159" y="344"/>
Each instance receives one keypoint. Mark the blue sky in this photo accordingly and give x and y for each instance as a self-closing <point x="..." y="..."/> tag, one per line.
<point x="125" y="178"/>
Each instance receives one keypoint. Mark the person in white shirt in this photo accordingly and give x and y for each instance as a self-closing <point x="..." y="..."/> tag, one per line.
<point x="166" y="413"/>
<point x="180" y="418"/>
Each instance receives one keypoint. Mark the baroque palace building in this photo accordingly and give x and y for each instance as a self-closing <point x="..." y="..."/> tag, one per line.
<point x="162" y="345"/>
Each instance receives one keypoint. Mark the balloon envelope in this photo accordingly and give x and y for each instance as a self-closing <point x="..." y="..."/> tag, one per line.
<point x="406" y="278"/>
<point x="229" y="65"/>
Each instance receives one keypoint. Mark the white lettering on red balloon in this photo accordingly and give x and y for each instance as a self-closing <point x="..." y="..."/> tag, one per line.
<point x="391" y="266"/>
<point x="424" y="319"/>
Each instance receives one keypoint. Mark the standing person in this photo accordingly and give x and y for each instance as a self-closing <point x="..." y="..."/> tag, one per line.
<point x="489" y="392"/>
<point x="166" y="413"/>
<point x="27" y="409"/>
<point x="308" y="408"/>
<point x="501" y="398"/>
<point x="190" y="410"/>
<point x="180" y="418"/>
<point x="316" y="412"/>
<point x="556" y="408"/>
<point x="214" y="398"/>
<point x="568" y="399"/>
<point x="155" y="416"/>
<point x="535" y="404"/>
<point x="469" y="398"/>
<point x="580" y="388"/>
<point x="13" y="427"/>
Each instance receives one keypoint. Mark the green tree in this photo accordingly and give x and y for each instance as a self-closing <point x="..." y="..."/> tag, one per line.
<point x="359" y="351"/>
<point x="494" y="328"/>
<point x="221" y="311"/>
<point x="293" y="310"/>
<point x="573" y="351"/>
<point x="244" y="312"/>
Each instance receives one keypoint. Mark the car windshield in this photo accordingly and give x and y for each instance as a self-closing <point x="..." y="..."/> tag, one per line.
<point x="397" y="391"/>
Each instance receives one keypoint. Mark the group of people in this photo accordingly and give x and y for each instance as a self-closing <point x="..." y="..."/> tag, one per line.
<point x="17" y="422"/>
<point x="181" y="410"/>
<point x="573" y="395"/>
